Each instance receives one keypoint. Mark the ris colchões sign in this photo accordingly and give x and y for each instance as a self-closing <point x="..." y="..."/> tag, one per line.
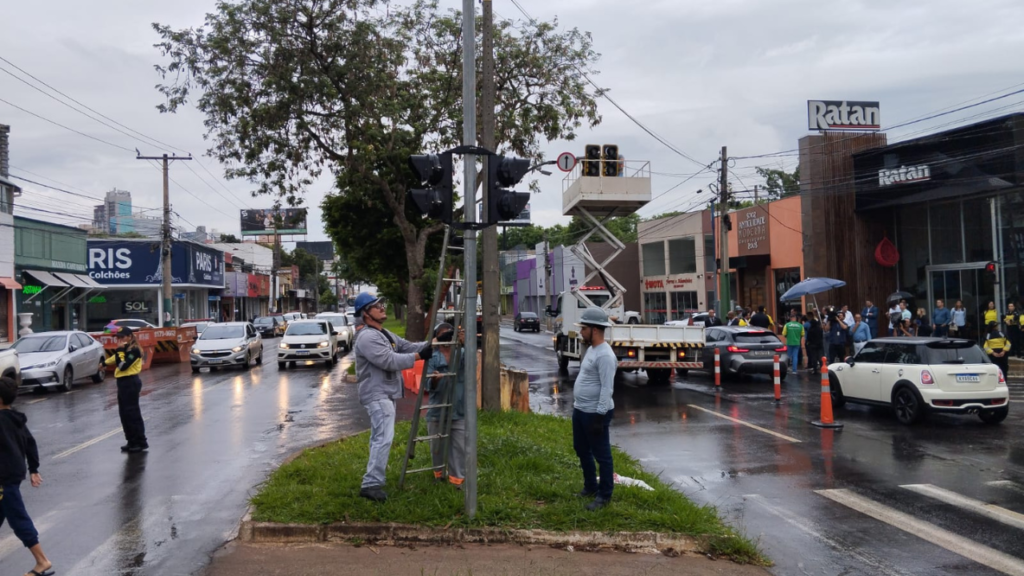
<point x="843" y="115"/>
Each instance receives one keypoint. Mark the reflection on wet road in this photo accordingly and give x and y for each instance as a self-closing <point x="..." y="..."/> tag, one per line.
<point x="943" y="497"/>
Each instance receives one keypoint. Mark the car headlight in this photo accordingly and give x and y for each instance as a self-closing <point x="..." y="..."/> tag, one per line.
<point x="283" y="345"/>
<point x="49" y="364"/>
<point x="196" y="351"/>
<point x="325" y="344"/>
<point x="236" y="349"/>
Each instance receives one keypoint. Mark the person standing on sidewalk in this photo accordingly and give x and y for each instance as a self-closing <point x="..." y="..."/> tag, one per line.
<point x="18" y="446"/>
<point x="895" y="317"/>
<point x="958" y="320"/>
<point x="835" y="336"/>
<point x="760" y="319"/>
<point x="128" y="361"/>
<point x="860" y="332"/>
<point x="921" y="324"/>
<point x="793" y="332"/>
<point x="998" y="348"/>
<point x="814" y="342"/>
<point x="940" y="320"/>
<point x="380" y="358"/>
<point x="1013" y="331"/>
<point x="870" y="315"/>
<point x="593" y="408"/>
<point x="713" y="319"/>
<point x="439" y="386"/>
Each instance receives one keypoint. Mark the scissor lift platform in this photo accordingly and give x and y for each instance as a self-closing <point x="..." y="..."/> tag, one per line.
<point x="604" y="196"/>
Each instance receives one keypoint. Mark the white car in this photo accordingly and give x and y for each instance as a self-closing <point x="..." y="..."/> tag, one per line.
<point x="344" y="330"/>
<point x="308" y="340"/>
<point x="915" y="376"/>
<point x="227" y="344"/>
<point x="59" y="358"/>
<point x="133" y="323"/>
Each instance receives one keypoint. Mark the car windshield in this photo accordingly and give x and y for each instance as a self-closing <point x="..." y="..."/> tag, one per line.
<point x="264" y="321"/>
<point x="946" y="354"/>
<point x="307" y="329"/>
<point x="132" y="323"/>
<point x="40" y="344"/>
<point x="756" y="338"/>
<point x="201" y="326"/>
<point x="223" y="333"/>
<point x="528" y="315"/>
<point x="336" y="319"/>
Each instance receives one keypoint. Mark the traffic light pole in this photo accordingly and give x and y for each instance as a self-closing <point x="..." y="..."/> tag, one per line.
<point x="469" y="264"/>
<point x="490" y="371"/>
<point x="724" y="298"/>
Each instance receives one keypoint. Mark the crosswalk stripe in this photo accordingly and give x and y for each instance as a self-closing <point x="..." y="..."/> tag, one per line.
<point x="997" y="513"/>
<point x="927" y="531"/>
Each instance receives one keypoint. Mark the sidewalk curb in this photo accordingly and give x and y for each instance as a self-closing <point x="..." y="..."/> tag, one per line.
<point x="396" y="534"/>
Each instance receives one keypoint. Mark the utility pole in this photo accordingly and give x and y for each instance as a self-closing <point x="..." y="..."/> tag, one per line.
<point x="276" y="276"/>
<point x="547" y="278"/>
<point x="165" y="250"/>
<point x="723" y="274"/>
<point x="490" y="372"/>
<point x="469" y="250"/>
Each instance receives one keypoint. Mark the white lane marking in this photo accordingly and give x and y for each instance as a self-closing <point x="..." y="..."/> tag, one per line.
<point x="1006" y="484"/>
<point x="929" y="532"/>
<point x="747" y="424"/>
<point x="37" y="401"/>
<point x="807" y="527"/>
<point x="85" y="445"/>
<point x="997" y="513"/>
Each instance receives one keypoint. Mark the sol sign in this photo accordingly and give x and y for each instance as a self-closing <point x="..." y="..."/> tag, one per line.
<point x="136" y="307"/>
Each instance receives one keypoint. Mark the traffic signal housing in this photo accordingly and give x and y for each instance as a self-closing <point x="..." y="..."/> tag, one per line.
<point x="435" y="172"/>
<point x="592" y="160"/>
<point x="502" y="173"/>
<point x="610" y="154"/>
<point x="992" y="271"/>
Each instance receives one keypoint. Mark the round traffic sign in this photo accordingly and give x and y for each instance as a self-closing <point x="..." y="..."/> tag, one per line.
<point x="566" y="161"/>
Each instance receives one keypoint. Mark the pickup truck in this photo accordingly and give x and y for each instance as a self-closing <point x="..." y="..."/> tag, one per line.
<point x="655" y="349"/>
<point x="10" y="367"/>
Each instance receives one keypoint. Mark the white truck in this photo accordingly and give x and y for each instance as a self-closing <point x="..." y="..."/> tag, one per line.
<point x="653" y="348"/>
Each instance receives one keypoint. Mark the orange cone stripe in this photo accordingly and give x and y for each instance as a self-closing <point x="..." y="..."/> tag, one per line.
<point x="778" y="379"/>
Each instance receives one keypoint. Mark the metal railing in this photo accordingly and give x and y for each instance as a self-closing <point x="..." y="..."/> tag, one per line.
<point x="624" y="169"/>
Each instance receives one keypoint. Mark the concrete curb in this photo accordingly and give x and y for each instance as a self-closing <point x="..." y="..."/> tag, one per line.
<point x="396" y="534"/>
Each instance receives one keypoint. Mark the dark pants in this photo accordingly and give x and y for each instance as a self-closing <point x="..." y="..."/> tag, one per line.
<point x="12" y="509"/>
<point x="836" y="352"/>
<point x="940" y="331"/>
<point x="1003" y="363"/>
<point x="814" y="355"/>
<point x="1014" y="334"/>
<point x="590" y="446"/>
<point x="128" y="390"/>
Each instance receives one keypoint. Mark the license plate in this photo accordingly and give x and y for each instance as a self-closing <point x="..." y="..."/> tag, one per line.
<point x="215" y="361"/>
<point x="761" y="353"/>
<point x="302" y="352"/>
<point x="968" y="378"/>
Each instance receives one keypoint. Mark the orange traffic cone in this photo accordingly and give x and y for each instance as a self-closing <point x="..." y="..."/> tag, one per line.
<point x="826" y="400"/>
<point x="778" y="380"/>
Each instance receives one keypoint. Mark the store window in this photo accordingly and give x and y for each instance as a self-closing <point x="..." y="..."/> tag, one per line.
<point x="682" y="256"/>
<point x="654" y="259"/>
<point x="978" y="229"/>
<point x="1011" y="227"/>
<point x="709" y="253"/>
<point x="946" y="232"/>
<point x="785" y="278"/>
<point x="683" y="304"/>
<point x="654" y="307"/>
<point x="912" y="238"/>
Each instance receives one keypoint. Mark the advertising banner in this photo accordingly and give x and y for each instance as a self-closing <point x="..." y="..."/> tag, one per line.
<point x="137" y="262"/>
<point x="272" y="221"/>
<point x="252" y="286"/>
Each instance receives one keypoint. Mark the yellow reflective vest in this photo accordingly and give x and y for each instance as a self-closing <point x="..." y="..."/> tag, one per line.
<point x="128" y="362"/>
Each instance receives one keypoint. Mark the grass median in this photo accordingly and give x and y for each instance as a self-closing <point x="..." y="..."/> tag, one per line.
<point x="528" y="479"/>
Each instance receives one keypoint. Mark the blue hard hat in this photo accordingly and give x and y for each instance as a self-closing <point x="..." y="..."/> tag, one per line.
<point x="365" y="299"/>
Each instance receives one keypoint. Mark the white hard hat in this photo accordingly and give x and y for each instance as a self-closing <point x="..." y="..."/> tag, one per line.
<point x="594" y="316"/>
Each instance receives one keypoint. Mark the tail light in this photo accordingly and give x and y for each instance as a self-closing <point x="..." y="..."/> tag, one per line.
<point x="926" y="377"/>
<point x="737" y="349"/>
<point x="1002" y="379"/>
<point x="631" y="353"/>
<point x="682" y="354"/>
<point x="782" y="349"/>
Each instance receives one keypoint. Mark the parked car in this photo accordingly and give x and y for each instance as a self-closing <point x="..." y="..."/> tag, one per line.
<point x="227" y="344"/>
<point x="133" y="323"/>
<point x="308" y="340"/>
<point x="343" y="329"/>
<point x="52" y="359"/>
<point x="526" y="321"/>
<point x="10" y="365"/>
<point x="199" y="326"/>
<point x="742" y="350"/>
<point x="917" y="376"/>
<point x="270" y="326"/>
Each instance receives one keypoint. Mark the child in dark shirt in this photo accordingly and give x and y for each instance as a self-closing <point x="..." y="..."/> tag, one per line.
<point x="16" y="447"/>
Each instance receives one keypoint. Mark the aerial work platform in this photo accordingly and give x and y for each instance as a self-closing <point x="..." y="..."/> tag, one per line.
<point x="604" y="196"/>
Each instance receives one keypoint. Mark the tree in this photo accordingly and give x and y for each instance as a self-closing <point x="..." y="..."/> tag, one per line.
<point x="229" y="239"/>
<point x="293" y="88"/>
<point x="779" y="183"/>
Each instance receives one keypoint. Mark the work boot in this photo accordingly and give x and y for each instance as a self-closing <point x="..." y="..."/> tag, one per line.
<point x="137" y="449"/>
<point x="586" y="493"/>
<point x="375" y="493"/>
<point x="125" y="447"/>
<point x="598" y="503"/>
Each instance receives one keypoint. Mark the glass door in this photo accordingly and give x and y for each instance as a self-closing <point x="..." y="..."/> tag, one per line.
<point x="968" y="285"/>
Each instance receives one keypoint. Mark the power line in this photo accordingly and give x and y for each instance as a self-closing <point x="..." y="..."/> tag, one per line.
<point x="100" y="140"/>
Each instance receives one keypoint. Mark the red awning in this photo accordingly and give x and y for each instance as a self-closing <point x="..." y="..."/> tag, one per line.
<point x="10" y="284"/>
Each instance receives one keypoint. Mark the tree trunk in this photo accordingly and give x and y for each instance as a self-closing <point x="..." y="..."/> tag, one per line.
<point x="414" y="318"/>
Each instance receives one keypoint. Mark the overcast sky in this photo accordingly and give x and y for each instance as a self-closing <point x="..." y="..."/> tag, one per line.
<point x="701" y="74"/>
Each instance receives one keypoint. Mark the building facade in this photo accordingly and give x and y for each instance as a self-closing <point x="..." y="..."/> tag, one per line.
<point x="8" y="285"/>
<point x="674" y="266"/>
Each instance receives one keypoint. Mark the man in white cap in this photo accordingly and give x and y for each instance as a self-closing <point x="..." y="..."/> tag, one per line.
<point x="593" y="408"/>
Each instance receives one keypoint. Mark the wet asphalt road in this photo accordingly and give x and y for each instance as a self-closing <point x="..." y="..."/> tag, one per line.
<point x="215" y="436"/>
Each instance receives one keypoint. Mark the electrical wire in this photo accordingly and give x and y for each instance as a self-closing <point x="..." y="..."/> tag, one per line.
<point x="100" y="140"/>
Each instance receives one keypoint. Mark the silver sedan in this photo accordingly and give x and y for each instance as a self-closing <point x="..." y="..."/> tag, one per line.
<point x="59" y="358"/>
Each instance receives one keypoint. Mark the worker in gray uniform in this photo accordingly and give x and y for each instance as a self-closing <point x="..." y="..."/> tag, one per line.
<point x="593" y="408"/>
<point x="380" y="358"/>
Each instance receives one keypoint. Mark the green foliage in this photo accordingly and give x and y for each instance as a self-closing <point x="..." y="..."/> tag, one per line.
<point x="779" y="183"/>
<point x="328" y="299"/>
<point x="229" y="239"/>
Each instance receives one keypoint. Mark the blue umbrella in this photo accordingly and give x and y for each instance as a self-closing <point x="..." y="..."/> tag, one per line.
<point x="812" y="286"/>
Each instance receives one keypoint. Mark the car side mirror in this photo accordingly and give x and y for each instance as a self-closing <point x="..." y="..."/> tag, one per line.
<point x="72" y="348"/>
<point x="548" y="311"/>
<point x="337" y="332"/>
<point x="849" y="360"/>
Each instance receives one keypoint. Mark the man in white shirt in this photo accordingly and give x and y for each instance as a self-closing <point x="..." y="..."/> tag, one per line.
<point x="593" y="408"/>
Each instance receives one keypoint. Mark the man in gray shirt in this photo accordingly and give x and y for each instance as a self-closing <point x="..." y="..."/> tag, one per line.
<point x="593" y="408"/>
<point x="380" y="358"/>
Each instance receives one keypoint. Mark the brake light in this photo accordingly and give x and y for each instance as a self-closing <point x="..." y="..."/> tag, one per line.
<point x="1002" y="380"/>
<point x="682" y="354"/>
<point x="737" y="349"/>
<point x="926" y="377"/>
<point x="631" y="353"/>
<point x="782" y="349"/>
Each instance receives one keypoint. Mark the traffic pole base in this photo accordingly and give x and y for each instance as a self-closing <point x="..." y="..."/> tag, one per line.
<point x="834" y="425"/>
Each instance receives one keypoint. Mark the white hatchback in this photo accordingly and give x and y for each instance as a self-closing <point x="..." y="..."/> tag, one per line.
<point x="306" y="340"/>
<point x="915" y="376"/>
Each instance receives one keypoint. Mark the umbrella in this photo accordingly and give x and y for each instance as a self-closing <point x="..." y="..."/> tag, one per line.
<point x="810" y="287"/>
<point x="898" y="295"/>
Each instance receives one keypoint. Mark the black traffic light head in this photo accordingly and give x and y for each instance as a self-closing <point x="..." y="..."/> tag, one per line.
<point x="610" y="154"/>
<point x="592" y="160"/>
<point x="436" y="200"/>
<point x="502" y="204"/>
<point x="991" y="270"/>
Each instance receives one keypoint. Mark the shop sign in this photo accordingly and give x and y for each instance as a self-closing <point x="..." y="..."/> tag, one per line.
<point x="121" y="262"/>
<point x="98" y="299"/>
<point x="843" y="115"/>
<point x="752" y="231"/>
<point x="264" y="289"/>
<point x="252" y="286"/>
<point x="678" y="282"/>
<point x="136" y="307"/>
<point x="71" y="266"/>
<point x="654" y="284"/>
<point x="904" y="175"/>
<point x="31" y="289"/>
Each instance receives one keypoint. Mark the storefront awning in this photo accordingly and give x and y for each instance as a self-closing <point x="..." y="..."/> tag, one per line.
<point x="10" y="284"/>
<point x="47" y="279"/>
<point x="79" y="281"/>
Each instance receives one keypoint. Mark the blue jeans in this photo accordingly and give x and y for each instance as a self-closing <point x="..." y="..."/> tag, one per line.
<point x="794" y="356"/>
<point x="590" y="446"/>
<point x="382" y="433"/>
<point x="12" y="509"/>
<point x="941" y="331"/>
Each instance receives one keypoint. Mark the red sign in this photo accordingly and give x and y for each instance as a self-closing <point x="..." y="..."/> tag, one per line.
<point x="253" y="286"/>
<point x="264" y="285"/>
<point x="649" y="284"/>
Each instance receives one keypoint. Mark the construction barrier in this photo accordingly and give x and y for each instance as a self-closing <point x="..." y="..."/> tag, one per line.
<point x="718" y="368"/>
<point x="161" y="345"/>
<point x="778" y="380"/>
<point x="826" y="400"/>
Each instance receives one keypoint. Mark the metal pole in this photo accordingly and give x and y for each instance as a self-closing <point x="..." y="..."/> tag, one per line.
<point x="724" y="276"/>
<point x="469" y="139"/>
<point x="168" y="293"/>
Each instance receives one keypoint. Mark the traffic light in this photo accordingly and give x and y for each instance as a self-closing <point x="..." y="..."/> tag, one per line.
<point x="991" y="271"/>
<point x="592" y="160"/>
<point x="610" y="153"/>
<point x="435" y="172"/>
<point x="503" y="204"/>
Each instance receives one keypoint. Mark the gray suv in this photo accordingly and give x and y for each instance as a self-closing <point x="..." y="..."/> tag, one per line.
<point x="227" y="344"/>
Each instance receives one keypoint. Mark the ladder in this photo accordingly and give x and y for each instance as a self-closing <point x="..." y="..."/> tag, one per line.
<point x="448" y="379"/>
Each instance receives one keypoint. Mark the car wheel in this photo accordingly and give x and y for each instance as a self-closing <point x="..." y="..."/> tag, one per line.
<point x="291" y="363"/>
<point x="907" y="407"/>
<point x="101" y="374"/>
<point x="259" y="359"/>
<point x="195" y="369"/>
<point x="838" y="400"/>
<point x="994" y="416"/>
<point x="281" y="365"/>
<point x="783" y="372"/>
<point x="658" y="376"/>
<point x="248" y="363"/>
<point x="563" y="360"/>
<point x="682" y="372"/>
<point x="515" y="328"/>
<point x="69" y="379"/>
<point x="331" y="360"/>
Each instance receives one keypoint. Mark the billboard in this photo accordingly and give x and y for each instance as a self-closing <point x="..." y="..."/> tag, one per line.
<point x="137" y="263"/>
<point x="273" y="221"/>
<point x="323" y="250"/>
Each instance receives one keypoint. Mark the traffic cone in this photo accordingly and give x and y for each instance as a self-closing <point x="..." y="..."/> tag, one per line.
<point x="826" y="400"/>
<point x="778" y="380"/>
<point x="718" y="369"/>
